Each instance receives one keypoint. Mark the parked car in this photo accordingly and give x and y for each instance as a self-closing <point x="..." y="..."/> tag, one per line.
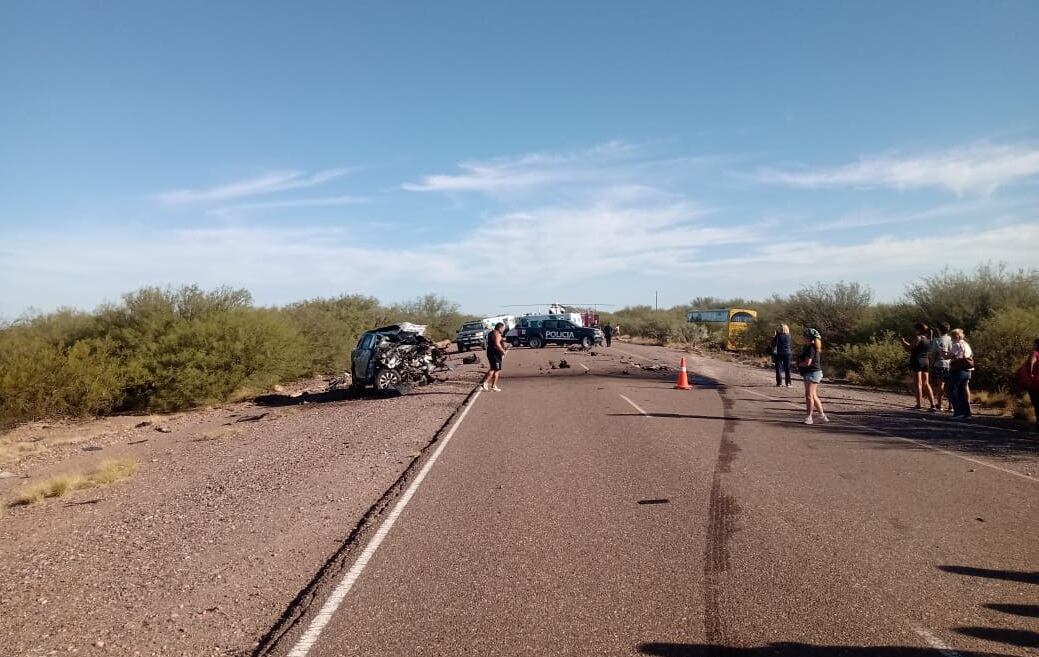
<point x="471" y="334"/>
<point x="395" y="358"/>
<point x="538" y="331"/>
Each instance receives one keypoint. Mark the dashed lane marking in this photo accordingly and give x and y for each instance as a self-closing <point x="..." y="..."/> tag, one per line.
<point x="636" y="406"/>
<point x="317" y="625"/>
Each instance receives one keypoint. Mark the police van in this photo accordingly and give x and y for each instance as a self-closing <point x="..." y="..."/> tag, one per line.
<point x="536" y="331"/>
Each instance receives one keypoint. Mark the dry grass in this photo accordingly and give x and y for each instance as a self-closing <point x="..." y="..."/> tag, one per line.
<point x="113" y="470"/>
<point x="105" y="474"/>
<point x="1016" y="405"/>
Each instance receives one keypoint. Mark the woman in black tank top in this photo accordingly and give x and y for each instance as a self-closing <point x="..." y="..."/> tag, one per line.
<point x="918" y="363"/>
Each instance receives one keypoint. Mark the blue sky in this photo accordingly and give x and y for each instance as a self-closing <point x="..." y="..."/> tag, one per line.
<point x="508" y="153"/>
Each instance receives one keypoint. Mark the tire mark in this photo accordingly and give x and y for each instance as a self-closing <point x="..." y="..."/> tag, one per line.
<point x="721" y="525"/>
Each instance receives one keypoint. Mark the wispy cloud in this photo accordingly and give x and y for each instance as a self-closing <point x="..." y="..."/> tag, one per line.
<point x="269" y="183"/>
<point x="321" y="202"/>
<point x="978" y="169"/>
<point x="504" y="174"/>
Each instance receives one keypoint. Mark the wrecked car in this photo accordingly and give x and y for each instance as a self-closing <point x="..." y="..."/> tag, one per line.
<point x="396" y="358"/>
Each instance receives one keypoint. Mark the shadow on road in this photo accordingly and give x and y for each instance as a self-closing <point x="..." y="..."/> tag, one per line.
<point x="797" y="650"/>
<point x="936" y="431"/>
<point x="1007" y="636"/>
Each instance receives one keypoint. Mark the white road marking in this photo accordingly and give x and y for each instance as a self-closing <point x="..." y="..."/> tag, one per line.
<point x="637" y="407"/>
<point x="317" y="625"/>
<point x="935" y="642"/>
<point x="919" y="443"/>
<point x="584" y="366"/>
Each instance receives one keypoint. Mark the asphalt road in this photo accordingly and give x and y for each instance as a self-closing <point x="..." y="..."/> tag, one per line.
<point x="597" y="512"/>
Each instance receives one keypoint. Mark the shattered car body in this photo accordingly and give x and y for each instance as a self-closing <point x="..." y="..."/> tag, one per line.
<point x="396" y="358"/>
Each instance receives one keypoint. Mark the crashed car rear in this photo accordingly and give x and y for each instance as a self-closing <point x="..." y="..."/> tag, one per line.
<point x="396" y="358"/>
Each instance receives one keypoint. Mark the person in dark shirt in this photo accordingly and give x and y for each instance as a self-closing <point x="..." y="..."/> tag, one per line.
<point x="920" y="364"/>
<point x="607" y="333"/>
<point x="780" y="349"/>
<point x="810" y="367"/>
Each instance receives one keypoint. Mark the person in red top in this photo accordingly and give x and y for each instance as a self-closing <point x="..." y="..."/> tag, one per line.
<point x="1028" y="378"/>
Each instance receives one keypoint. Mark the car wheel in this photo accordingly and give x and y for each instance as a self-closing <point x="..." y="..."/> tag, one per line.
<point x="514" y="342"/>
<point x="586" y="342"/>
<point x="535" y="342"/>
<point x="387" y="379"/>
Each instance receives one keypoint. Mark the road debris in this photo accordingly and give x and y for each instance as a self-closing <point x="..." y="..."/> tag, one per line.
<point x="163" y="428"/>
<point x="563" y="365"/>
<point x="252" y="418"/>
<point x="471" y="359"/>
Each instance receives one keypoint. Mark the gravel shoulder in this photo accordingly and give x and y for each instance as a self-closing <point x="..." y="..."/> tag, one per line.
<point x="231" y="512"/>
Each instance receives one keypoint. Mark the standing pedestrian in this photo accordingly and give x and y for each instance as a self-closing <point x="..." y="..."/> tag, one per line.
<point x="607" y="332"/>
<point x="940" y="366"/>
<point x="780" y="350"/>
<point x="1028" y="379"/>
<point x="810" y="367"/>
<point x="496" y="348"/>
<point x="919" y="363"/>
<point x="961" y="368"/>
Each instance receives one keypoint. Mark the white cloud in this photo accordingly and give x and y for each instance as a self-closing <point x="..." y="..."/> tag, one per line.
<point x="277" y="181"/>
<point x="504" y="174"/>
<point x="320" y="202"/>
<point x="979" y="169"/>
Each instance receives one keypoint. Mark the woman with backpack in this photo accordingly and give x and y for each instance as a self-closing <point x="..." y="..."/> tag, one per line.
<point x="1028" y="379"/>
<point x="780" y="350"/>
<point x="961" y="367"/>
<point x="810" y="367"/>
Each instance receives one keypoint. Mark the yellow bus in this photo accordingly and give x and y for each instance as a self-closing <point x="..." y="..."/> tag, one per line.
<point x="734" y="321"/>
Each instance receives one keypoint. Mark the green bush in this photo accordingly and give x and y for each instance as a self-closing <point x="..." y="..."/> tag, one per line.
<point x="1001" y="344"/>
<point x="881" y="361"/>
<point x="965" y="299"/>
<point x="835" y="309"/>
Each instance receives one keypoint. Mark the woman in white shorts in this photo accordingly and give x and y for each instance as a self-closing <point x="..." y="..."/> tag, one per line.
<point x="810" y="366"/>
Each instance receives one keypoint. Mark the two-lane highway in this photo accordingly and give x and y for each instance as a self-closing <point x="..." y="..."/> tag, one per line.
<point x="589" y="511"/>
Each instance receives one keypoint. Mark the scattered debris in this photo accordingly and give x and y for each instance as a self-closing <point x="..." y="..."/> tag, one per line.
<point x="551" y="365"/>
<point x="625" y="372"/>
<point x="141" y="425"/>
<point x="137" y="442"/>
<point x="163" y="429"/>
<point x="92" y="448"/>
<point x="563" y="365"/>
<point x="4" y="474"/>
<point x="252" y="418"/>
<point x="659" y="368"/>
<point x="471" y="359"/>
<point x="576" y="347"/>
<point x="593" y="353"/>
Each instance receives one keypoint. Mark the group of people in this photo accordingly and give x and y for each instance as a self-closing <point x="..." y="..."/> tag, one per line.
<point x="945" y="359"/>
<point x="809" y="365"/>
<point x="941" y="361"/>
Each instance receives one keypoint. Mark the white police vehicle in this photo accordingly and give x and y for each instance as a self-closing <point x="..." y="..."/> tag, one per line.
<point x="536" y="331"/>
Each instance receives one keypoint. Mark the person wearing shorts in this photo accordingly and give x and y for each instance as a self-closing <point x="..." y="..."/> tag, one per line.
<point x="495" y="354"/>
<point x="810" y="366"/>
<point x="920" y="364"/>
<point x="940" y="365"/>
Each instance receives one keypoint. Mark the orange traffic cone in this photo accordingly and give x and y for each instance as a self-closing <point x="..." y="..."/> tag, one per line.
<point x="683" y="378"/>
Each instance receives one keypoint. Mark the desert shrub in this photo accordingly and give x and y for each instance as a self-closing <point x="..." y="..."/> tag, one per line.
<point x="834" y="309"/>
<point x="441" y="317"/>
<point x="1001" y="344"/>
<point x="965" y="299"/>
<point x="330" y="328"/>
<point x="880" y="361"/>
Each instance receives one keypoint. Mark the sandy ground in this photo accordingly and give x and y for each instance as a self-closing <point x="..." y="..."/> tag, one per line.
<point x="228" y="517"/>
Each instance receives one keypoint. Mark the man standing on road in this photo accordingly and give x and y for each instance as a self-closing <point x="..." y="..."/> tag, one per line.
<point x="495" y="352"/>
<point x="607" y="332"/>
